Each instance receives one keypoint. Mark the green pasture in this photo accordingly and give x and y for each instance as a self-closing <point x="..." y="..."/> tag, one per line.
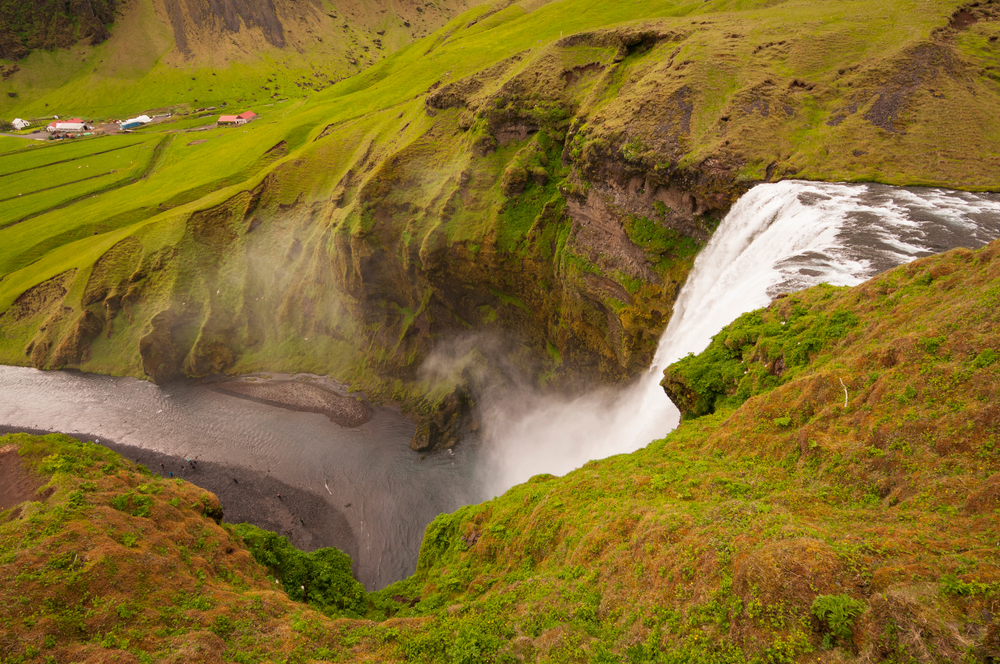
<point x="9" y="145"/>
<point x="59" y="151"/>
<point x="43" y="187"/>
<point x="183" y="174"/>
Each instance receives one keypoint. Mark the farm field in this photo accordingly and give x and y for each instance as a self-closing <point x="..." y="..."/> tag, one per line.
<point x="61" y="151"/>
<point x="47" y="178"/>
<point x="189" y="167"/>
<point x="9" y="144"/>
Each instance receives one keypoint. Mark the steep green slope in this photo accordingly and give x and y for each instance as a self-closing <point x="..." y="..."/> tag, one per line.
<point x="101" y="561"/>
<point x="794" y="524"/>
<point x="540" y="173"/>
<point x="867" y="473"/>
<point x="101" y="58"/>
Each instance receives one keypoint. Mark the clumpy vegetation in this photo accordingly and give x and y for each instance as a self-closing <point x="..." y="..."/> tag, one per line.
<point x="320" y="578"/>
<point x="758" y="351"/>
<point x="108" y="562"/>
<point x="785" y="526"/>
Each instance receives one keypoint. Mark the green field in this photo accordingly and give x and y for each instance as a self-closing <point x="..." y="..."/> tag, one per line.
<point x="49" y="179"/>
<point x="56" y="151"/>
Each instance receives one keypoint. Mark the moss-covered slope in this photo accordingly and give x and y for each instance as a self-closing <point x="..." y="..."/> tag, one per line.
<point x="540" y="173"/>
<point x="846" y="511"/>
<point x="106" y="562"/>
<point x="784" y="527"/>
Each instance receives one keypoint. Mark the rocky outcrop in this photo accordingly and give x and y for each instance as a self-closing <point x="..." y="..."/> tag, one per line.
<point x="228" y="16"/>
<point x="11" y="47"/>
<point x="49" y="25"/>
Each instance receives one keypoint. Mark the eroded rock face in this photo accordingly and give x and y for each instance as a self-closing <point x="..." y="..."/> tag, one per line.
<point x="11" y="47"/>
<point x="222" y="16"/>
<point x="443" y="426"/>
<point x="48" y="25"/>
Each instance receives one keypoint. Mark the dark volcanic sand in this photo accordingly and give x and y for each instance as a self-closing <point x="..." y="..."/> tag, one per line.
<point x="305" y="518"/>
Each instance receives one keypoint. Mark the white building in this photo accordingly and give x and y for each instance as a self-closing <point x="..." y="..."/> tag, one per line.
<point x="71" y="127"/>
<point x="20" y="124"/>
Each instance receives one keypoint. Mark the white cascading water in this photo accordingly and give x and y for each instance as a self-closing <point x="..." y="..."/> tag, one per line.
<point x="778" y="238"/>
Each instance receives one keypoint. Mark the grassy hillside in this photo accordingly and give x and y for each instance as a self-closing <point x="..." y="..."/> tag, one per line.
<point x="107" y="562"/>
<point x="793" y="524"/>
<point x="185" y="55"/>
<point x="541" y="173"/>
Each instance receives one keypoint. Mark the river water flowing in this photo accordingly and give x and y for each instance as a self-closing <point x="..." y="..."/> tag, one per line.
<point x="777" y="238"/>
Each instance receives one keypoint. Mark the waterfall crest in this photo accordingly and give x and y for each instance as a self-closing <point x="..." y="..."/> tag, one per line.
<point x="778" y="238"/>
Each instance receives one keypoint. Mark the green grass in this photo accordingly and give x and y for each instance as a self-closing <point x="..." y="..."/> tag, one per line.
<point x="9" y="145"/>
<point x="59" y="151"/>
<point x="59" y="182"/>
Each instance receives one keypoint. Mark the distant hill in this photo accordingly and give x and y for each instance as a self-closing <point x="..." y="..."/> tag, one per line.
<point x="90" y="44"/>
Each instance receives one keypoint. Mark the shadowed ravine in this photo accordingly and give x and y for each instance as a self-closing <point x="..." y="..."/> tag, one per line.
<point x="778" y="238"/>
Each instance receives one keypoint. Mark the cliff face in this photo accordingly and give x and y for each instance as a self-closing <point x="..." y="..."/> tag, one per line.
<point x="229" y="16"/>
<point x="791" y="525"/>
<point x="544" y="198"/>
<point x="48" y="24"/>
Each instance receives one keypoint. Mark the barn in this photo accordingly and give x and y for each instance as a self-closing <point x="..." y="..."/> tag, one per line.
<point x="240" y="119"/>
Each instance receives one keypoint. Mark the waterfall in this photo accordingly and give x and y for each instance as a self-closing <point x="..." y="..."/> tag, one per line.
<point x="778" y="238"/>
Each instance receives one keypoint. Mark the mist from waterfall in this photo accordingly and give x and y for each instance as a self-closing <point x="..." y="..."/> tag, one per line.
<point x="778" y="238"/>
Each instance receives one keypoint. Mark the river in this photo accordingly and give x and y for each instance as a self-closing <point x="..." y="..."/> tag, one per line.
<point x="777" y="238"/>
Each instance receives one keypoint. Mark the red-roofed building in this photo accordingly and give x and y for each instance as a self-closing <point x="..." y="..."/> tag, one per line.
<point x="240" y="119"/>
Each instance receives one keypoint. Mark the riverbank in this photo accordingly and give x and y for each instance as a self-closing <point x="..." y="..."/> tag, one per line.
<point x="246" y="496"/>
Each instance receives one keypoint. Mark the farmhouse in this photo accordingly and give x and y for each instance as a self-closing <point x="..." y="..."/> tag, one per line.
<point x="240" y="119"/>
<point x="74" y="125"/>
<point x="20" y="124"/>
